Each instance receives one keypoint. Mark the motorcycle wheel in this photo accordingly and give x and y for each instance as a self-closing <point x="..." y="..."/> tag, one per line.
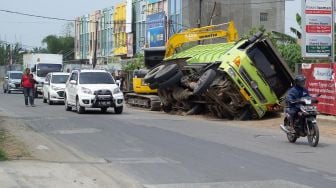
<point x="291" y="137"/>
<point x="313" y="138"/>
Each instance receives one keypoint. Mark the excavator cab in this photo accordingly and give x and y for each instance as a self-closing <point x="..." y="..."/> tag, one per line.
<point x="139" y="86"/>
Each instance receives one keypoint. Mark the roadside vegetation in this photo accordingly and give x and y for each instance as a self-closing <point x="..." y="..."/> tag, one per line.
<point x="10" y="147"/>
<point x="3" y="155"/>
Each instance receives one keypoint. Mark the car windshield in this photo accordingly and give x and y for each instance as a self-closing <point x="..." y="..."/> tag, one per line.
<point x="59" y="79"/>
<point x="15" y="75"/>
<point x="44" y="69"/>
<point x="95" y="78"/>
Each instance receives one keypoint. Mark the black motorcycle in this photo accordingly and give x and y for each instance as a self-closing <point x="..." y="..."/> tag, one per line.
<point x="304" y="122"/>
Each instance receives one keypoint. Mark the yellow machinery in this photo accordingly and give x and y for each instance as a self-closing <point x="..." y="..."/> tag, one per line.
<point x="142" y="95"/>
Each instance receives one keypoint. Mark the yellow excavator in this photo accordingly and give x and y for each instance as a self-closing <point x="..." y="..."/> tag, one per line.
<point x="142" y="94"/>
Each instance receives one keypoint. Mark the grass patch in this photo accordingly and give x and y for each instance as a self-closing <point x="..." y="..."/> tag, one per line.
<point x="11" y="148"/>
<point x="3" y="155"/>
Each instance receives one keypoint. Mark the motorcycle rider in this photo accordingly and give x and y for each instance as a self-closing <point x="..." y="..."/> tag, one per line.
<point x="296" y="92"/>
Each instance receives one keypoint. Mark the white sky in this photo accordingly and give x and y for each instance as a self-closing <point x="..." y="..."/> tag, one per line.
<point x="292" y="7"/>
<point x="29" y="30"/>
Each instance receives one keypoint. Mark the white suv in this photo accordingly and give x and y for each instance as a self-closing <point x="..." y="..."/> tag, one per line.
<point x="92" y="89"/>
<point x="53" y="87"/>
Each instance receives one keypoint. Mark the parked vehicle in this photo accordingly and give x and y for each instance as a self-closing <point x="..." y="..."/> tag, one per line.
<point x="92" y="89"/>
<point x="305" y="122"/>
<point x="12" y="81"/>
<point x="53" y="87"/>
<point x="41" y="65"/>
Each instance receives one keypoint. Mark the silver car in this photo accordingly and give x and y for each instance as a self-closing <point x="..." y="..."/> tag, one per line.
<point x="12" y="81"/>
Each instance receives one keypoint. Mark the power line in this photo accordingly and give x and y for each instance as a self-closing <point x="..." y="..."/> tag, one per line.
<point x="37" y="16"/>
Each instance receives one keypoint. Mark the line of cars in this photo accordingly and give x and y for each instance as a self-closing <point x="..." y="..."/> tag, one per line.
<point x="78" y="90"/>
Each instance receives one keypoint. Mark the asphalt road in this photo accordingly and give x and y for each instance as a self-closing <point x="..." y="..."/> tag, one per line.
<point x="166" y="151"/>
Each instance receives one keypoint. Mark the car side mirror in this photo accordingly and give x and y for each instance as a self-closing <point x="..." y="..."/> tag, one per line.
<point x="6" y="78"/>
<point x="73" y="82"/>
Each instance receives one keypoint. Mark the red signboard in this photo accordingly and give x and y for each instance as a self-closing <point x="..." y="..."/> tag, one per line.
<point x="321" y="80"/>
<point x="318" y="29"/>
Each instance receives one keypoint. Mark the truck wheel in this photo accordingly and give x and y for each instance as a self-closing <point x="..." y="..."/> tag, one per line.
<point x="154" y="85"/>
<point x="166" y="73"/>
<point x="204" y="81"/>
<point x="172" y="80"/>
<point x="150" y="76"/>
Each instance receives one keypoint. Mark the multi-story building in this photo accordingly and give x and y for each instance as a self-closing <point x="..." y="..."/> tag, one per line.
<point x="156" y="23"/>
<point x="155" y="20"/>
<point x="139" y="24"/>
<point x="120" y="37"/>
<point x="245" y="13"/>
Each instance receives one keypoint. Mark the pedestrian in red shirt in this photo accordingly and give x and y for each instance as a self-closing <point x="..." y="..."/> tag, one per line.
<point x="27" y="82"/>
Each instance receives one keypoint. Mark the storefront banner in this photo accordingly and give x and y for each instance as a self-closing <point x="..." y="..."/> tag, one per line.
<point x="156" y="29"/>
<point x="321" y="80"/>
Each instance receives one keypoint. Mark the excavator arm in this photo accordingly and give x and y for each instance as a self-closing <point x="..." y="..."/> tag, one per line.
<point x="198" y="34"/>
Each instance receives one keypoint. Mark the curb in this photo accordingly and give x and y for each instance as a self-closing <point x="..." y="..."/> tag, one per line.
<point x="326" y="117"/>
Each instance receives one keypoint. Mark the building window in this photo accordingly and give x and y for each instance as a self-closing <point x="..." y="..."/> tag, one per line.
<point x="263" y="16"/>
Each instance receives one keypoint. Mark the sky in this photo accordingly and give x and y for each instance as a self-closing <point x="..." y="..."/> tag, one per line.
<point x="30" y="31"/>
<point x="292" y="7"/>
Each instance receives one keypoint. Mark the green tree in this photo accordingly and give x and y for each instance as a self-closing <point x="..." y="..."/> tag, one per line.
<point x="60" y="45"/>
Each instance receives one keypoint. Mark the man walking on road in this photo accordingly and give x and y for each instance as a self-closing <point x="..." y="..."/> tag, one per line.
<point x="27" y="82"/>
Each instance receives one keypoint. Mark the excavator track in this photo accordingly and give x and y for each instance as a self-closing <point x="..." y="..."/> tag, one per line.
<point x="150" y="102"/>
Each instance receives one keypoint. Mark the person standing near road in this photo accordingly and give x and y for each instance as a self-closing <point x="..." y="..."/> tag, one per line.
<point x="27" y="82"/>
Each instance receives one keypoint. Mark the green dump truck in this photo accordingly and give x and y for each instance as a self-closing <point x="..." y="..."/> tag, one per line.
<point x="237" y="80"/>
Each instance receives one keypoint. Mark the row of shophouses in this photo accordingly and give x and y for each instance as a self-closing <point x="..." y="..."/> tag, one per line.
<point x="126" y="28"/>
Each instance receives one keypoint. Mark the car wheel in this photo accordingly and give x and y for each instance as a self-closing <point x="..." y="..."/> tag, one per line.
<point x="49" y="101"/>
<point x="80" y="109"/>
<point x="67" y="107"/>
<point x="35" y="93"/>
<point x="166" y="73"/>
<point x="103" y="110"/>
<point x="118" y="110"/>
<point x="150" y="76"/>
<point x="204" y="81"/>
<point x="44" y="100"/>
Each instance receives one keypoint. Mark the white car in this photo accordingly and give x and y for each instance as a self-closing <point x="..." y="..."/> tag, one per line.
<point x="92" y="89"/>
<point x="53" y="87"/>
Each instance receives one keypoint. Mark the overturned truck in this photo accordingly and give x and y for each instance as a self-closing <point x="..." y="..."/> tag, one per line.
<point x="236" y="80"/>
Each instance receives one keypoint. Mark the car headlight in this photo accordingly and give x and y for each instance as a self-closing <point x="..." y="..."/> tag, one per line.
<point x="56" y="88"/>
<point x="231" y="72"/>
<point x="86" y="90"/>
<point x="116" y="91"/>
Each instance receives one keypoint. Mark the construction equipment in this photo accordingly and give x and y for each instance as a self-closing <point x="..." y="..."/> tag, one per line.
<point x="143" y="94"/>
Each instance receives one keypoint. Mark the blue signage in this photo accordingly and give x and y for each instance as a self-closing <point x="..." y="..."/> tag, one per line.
<point x="153" y="1"/>
<point x="156" y="29"/>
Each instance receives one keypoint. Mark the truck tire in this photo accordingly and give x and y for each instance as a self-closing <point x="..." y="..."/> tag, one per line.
<point x="150" y="76"/>
<point x="204" y="81"/>
<point x="172" y="80"/>
<point x="166" y="73"/>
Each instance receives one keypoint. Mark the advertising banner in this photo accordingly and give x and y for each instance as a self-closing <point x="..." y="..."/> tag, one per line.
<point x="156" y="29"/>
<point x="321" y="80"/>
<point x="317" y="28"/>
<point x="129" y="16"/>
<point x="129" y="44"/>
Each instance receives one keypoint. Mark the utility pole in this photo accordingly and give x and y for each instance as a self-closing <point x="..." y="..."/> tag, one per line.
<point x="95" y="47"/>
<point x="200" y="16"/>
